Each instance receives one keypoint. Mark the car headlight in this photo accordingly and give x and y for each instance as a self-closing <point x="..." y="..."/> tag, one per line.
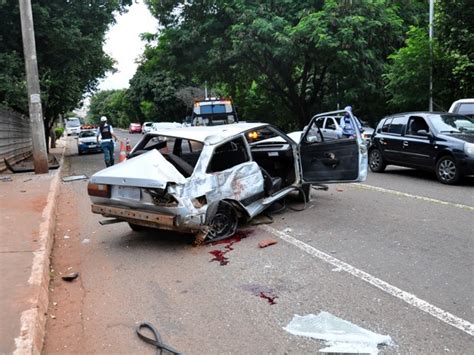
<point x="469" y="148"/>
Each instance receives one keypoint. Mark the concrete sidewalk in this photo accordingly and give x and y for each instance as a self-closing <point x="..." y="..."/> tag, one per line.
<point x="27" y="223"/>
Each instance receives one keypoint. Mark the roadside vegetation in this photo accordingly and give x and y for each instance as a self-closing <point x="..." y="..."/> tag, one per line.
<point x="281" y="61"/>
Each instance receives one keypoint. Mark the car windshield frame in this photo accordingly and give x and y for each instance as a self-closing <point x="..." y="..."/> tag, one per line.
<point x="441" y="124"/>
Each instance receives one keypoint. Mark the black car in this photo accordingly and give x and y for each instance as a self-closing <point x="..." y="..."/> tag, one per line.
<point x="434" y="141"/>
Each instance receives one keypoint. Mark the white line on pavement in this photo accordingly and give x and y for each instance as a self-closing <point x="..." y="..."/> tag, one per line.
<point x="417" y="197"/>
<point x="409" y="298"/>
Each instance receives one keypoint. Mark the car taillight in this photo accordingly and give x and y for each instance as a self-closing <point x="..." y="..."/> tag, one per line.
<point x="99" y="190"/>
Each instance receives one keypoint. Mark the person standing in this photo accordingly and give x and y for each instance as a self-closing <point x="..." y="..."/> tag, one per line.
<point x="106" y="135"/>
<point x="348" y="130"/>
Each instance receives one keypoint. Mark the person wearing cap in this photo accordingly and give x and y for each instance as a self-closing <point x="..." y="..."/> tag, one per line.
<point x="106" y="135"/>
<point x="348" y="130"/>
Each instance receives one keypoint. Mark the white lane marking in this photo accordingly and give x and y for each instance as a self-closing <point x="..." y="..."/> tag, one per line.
<point x="417" y="197"/>
<point x="409" y="298"/>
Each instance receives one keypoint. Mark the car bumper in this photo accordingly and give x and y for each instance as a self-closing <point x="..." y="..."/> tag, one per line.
<point x="87" y="148"/>
<point x="143" y="218"/>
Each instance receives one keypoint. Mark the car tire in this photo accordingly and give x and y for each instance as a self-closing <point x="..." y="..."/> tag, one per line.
<point x="376" y="162"/>
<point x="224" y="223"/>
<point x="447" y="170"/>
<point x="137" y="227"/>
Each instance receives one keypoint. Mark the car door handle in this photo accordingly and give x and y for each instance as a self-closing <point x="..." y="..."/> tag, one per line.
<point x="382" y="141"/>
<point x="405" y="143"/>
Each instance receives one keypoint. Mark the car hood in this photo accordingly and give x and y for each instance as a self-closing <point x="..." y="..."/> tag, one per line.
<point x="466" y="137"/>
<point x="150" y="170"/>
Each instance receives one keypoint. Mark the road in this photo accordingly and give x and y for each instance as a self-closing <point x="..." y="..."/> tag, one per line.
<point x="393" y="255"/>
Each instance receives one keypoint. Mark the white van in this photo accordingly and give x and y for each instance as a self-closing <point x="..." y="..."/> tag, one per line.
<point x="463" y="107"/>
<point x="73" y="126"/>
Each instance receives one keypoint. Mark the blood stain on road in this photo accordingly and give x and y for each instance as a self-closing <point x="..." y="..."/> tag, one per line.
<point x="220" y="255"/>
<point x="262" y="292"/>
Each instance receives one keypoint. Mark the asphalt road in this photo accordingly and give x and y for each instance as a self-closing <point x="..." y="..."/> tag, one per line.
<point x="393" y="255"/>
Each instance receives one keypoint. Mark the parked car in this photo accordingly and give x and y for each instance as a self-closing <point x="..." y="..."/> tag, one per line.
<point x="87" y="142"/>
<point x="204" y="179"/>
<point x="135" y="128"/>
<point x="146" y="127"/>
<point x="463" y="107"/>
<point x="436" y="141"/>
<point x="331" y="128"/>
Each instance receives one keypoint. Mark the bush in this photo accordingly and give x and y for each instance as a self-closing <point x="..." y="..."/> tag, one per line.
<point x="58" y="131"/>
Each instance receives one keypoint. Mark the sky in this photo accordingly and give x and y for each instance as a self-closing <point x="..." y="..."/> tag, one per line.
<point x="125" y="46"/>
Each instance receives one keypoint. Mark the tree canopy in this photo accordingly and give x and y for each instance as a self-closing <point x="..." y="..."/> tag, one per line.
<point x="69" y="39"/>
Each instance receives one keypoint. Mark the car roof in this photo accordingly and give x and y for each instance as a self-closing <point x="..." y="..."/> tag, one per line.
<point x="208" y="134"/>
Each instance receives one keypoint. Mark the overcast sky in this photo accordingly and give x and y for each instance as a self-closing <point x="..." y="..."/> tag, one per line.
<point x="124" y="45"/>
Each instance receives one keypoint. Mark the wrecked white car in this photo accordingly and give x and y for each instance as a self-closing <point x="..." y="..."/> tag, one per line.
<point x="202" y="180"/>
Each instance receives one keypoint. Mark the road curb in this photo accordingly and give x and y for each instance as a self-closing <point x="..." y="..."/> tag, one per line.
<point x="33" y="320"/>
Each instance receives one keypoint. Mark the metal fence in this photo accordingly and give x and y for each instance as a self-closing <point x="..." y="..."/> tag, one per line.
<point x="15" y="137"/>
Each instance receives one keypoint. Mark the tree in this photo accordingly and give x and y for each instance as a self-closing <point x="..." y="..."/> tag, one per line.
<point x="301" y="56"/>
<point x="69" y="39"/>
<point x="407" y="75"/>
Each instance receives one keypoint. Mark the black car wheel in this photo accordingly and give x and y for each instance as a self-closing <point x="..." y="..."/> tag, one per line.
<point x="224" y="223"/>
<point x="376" y="162"/>
<point x="447" y="171"/>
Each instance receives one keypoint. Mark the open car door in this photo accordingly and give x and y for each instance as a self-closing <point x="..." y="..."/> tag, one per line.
<point x="326" y="161"/>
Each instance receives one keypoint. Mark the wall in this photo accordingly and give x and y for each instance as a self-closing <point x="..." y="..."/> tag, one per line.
<point x="15" y="137"/>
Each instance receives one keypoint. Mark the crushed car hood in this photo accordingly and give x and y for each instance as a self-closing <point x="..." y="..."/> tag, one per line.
<point x="150" y="170"/>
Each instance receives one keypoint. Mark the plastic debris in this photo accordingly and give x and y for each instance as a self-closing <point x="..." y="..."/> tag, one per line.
<point x="340" y="335"/>
<point x="6" y="178"/>
<point x="86" y="241"/>
<point x="267" y="242"/>
<point x="66" y="237"/>
<point x="74" y="178"/>
<point x="287" y="230"/>
<point x="70" y="277"/>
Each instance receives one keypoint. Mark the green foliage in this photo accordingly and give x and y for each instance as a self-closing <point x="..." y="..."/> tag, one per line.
<point x="58" y="132"/>
<point x="112" y="104"/>
<point x="285" y="59"/>
<point x="453" y="60"/>
<point x="69" y="37"/>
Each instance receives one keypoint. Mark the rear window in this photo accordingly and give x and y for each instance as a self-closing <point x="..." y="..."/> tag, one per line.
<point x="466" y="109"/>
<point x="207" y="109"/>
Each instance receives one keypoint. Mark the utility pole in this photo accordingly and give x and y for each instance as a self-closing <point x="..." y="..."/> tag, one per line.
<point x="40" y="156"/>
<point x="430" y="108"/>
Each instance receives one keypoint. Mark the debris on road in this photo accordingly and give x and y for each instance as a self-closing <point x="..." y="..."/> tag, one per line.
<point x="340" y="335"/>
<point x="339" y="189"/>
<point x="70" y="277"/>
<point x="66" y="237"/>
<point x="6" y="178"/>
<point x="267" y="242"/>
<point x="74" y="178"/>
<point x="157" y="341"/>
<point x="85" y="241"/>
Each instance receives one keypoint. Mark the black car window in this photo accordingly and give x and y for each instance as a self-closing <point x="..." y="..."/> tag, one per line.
<point x="415" y="125"/>
<point x="320" y="122"/>
<point x="396" y="125"/>
<point x="228" y="154"/>
<point x="386" y="125"/>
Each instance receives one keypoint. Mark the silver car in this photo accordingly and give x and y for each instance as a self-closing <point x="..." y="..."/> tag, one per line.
<point x="203" y="180"/>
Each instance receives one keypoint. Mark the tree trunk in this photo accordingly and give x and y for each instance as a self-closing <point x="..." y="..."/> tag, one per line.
<point x="52" y="135"/>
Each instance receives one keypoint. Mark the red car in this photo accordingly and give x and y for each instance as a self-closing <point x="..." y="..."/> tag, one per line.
<point x="135" y="128"/>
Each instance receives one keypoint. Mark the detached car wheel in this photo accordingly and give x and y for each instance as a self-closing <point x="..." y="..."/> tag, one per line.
<point x="224" y="223"/>
<point x="376" y="162"/>
<point x="447" y="171"/>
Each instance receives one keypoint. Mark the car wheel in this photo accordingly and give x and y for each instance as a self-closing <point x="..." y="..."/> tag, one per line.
<point x="137" y="227"/>
<point x="224" y="223"/>
<point x="376" y="162"/>
<point x="447" y="171"/>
